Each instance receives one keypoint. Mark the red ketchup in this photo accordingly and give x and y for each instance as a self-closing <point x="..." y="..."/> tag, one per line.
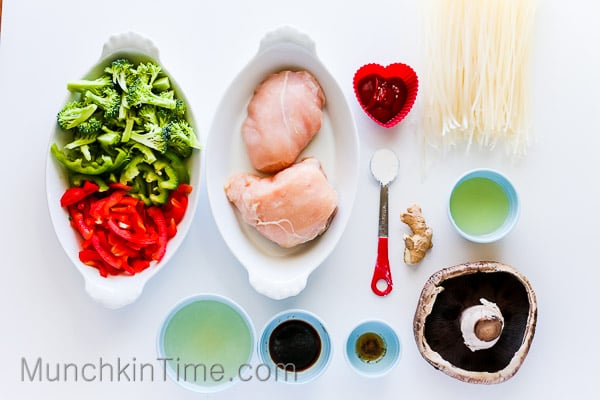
<point x="382" y="98"/>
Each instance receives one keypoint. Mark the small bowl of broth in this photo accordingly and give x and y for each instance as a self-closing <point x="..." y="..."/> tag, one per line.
<point x="296" y="346"/>
<point x="483" y="206"/>
<point x="372" y="348"/>
<point x="204" y="341"/>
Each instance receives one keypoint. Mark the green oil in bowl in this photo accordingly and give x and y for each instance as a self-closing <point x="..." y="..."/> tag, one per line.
<point x="205" y="342"/>
<point x="479" y="206"/>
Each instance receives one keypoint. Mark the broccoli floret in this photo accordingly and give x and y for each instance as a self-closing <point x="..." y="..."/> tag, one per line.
<point x="107" y="129"/>
<point x="167" y="94"/>
<point x="96" y="85"/>
<point x="129" y="124"/>
<point x="91" y="126"/>
<point x="180" y="108"/>
<point x="141" y="93"/>
<point x="146" y="152"/>
<point x="155" y="138"/>
<point x="75" y="113"/>
<point x="147" y="114"/>
<point x="148" y="72"/>
<point x="85" y="151"/>
<point x="122" y="72"/>
<point x="161" y="84"/>
<point x="109" y="100"/>
<point x="182" y="138"/>
<point x="164" y="116"/>
<point x="109" y="139"/>
<point x="123" y="107"/>
<point x="81" y="139"/>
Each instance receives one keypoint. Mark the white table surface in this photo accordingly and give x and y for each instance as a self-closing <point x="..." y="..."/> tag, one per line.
<point x="46" y="312"/>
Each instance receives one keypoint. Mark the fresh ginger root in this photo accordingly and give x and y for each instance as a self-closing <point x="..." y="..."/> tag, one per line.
<point x="417" y="244"/>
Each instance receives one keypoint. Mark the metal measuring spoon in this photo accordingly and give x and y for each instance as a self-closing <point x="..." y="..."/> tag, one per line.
<point x="384" y="167"/>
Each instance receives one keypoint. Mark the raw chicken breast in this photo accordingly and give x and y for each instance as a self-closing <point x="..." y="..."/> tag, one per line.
<point x="284" y="115"/>
<point x="292" y="207"/>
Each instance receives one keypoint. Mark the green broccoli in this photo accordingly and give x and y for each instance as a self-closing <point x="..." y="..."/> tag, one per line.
<point x="141" y="93"/>
<point x="75" y="113"/>
<point x="161" y="84"/>
<point x="91" y="126"/>
<point x="109" y="139"/>
<point x="81" y="139"/>
<point x="147" y="114"/>
<point x="155" y="138"/>
<point x="182" y="138"/>
<point x="148" y="72"/>
<point x="180" y="109"/>
<point x="122" y="71"/>
<point x="145" y="151"/>
<point x="164" y="116"/>
<point x="108" y="99"/>
<point x="96" y="85"/>
<point x="129" y="125"/>
<point x="86" y="152"/>
<point x="167" y="94"/>
<point x="123" y="107"/>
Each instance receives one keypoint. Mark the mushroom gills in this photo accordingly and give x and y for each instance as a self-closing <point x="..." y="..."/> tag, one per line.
<point x="442" y="326"/>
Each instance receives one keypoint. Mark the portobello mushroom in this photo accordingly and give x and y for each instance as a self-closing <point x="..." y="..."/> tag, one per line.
<point x="475" y="321"/>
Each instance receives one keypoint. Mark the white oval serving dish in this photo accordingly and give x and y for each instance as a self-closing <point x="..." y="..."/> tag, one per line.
<point x="116" y="291"/>
<point x="273" y="271"/>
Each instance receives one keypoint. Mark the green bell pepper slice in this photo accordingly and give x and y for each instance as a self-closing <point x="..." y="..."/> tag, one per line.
<point x="102" y="164"/>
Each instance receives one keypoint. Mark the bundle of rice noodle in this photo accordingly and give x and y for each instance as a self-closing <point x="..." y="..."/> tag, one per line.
<point x="476" y="76"/>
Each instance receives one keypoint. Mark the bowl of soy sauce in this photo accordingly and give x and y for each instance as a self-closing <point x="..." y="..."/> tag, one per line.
<point x="296" y="346"/>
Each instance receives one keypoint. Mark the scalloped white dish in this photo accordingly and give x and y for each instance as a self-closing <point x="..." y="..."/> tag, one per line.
<point x="274" y="271"/>
<point x="116" y="291"/>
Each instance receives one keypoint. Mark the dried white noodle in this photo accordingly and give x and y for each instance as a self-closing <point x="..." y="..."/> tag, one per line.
<point x="476" y="88"/>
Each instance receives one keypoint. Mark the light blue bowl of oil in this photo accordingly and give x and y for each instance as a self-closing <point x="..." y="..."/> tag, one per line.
<point x="373" y="348"/>
<point x="483" y="206"/>
<point x="204" y="341"/>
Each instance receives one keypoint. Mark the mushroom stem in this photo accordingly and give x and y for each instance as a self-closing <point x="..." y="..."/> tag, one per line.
<point x="481" y="325"/>
<point x="488" y="329"/>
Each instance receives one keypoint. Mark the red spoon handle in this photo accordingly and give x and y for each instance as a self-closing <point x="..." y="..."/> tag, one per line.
<point x="382" y="274"/>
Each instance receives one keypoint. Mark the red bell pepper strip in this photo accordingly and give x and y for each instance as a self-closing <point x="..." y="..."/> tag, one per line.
<point x="100" y="209"/>
<point x="92" y="258"/>
<point x="176" y="205"/>
<point x="78" y="221"/>
<point x="184" y="188"/>
<point x="75" y="194"/>
<point x="171" y="228"/>
<point x="101" y="246"/>
<point x="139" y="264"/>
<point x="121" y="247"/>
<point x="130" y="236"/>
<point x="161" y="226"/>
<point x="119" y="185"/>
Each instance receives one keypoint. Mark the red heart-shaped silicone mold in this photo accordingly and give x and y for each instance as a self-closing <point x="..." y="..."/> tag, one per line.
<point x="386" y="94"/>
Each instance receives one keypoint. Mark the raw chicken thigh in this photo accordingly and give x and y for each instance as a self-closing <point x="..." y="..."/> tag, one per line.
<point x="292" y="207"/>
<point x="284" y="115"/>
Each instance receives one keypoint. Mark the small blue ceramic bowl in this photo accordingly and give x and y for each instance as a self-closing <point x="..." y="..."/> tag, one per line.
<point x="389" y="355"/>
<point x="483" y="206"/>
<point x="203" y="342"/>
<point x="284" y="319"/>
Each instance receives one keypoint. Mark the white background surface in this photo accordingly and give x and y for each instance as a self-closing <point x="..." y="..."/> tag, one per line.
<point x="46" y="313"/>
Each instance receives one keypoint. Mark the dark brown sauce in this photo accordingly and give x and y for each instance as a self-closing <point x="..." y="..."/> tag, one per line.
<point x="295" y="345"/>
<point x="370" y="347"/>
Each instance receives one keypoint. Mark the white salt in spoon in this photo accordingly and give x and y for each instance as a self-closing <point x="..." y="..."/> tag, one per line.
<point x="384" y="167"/>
